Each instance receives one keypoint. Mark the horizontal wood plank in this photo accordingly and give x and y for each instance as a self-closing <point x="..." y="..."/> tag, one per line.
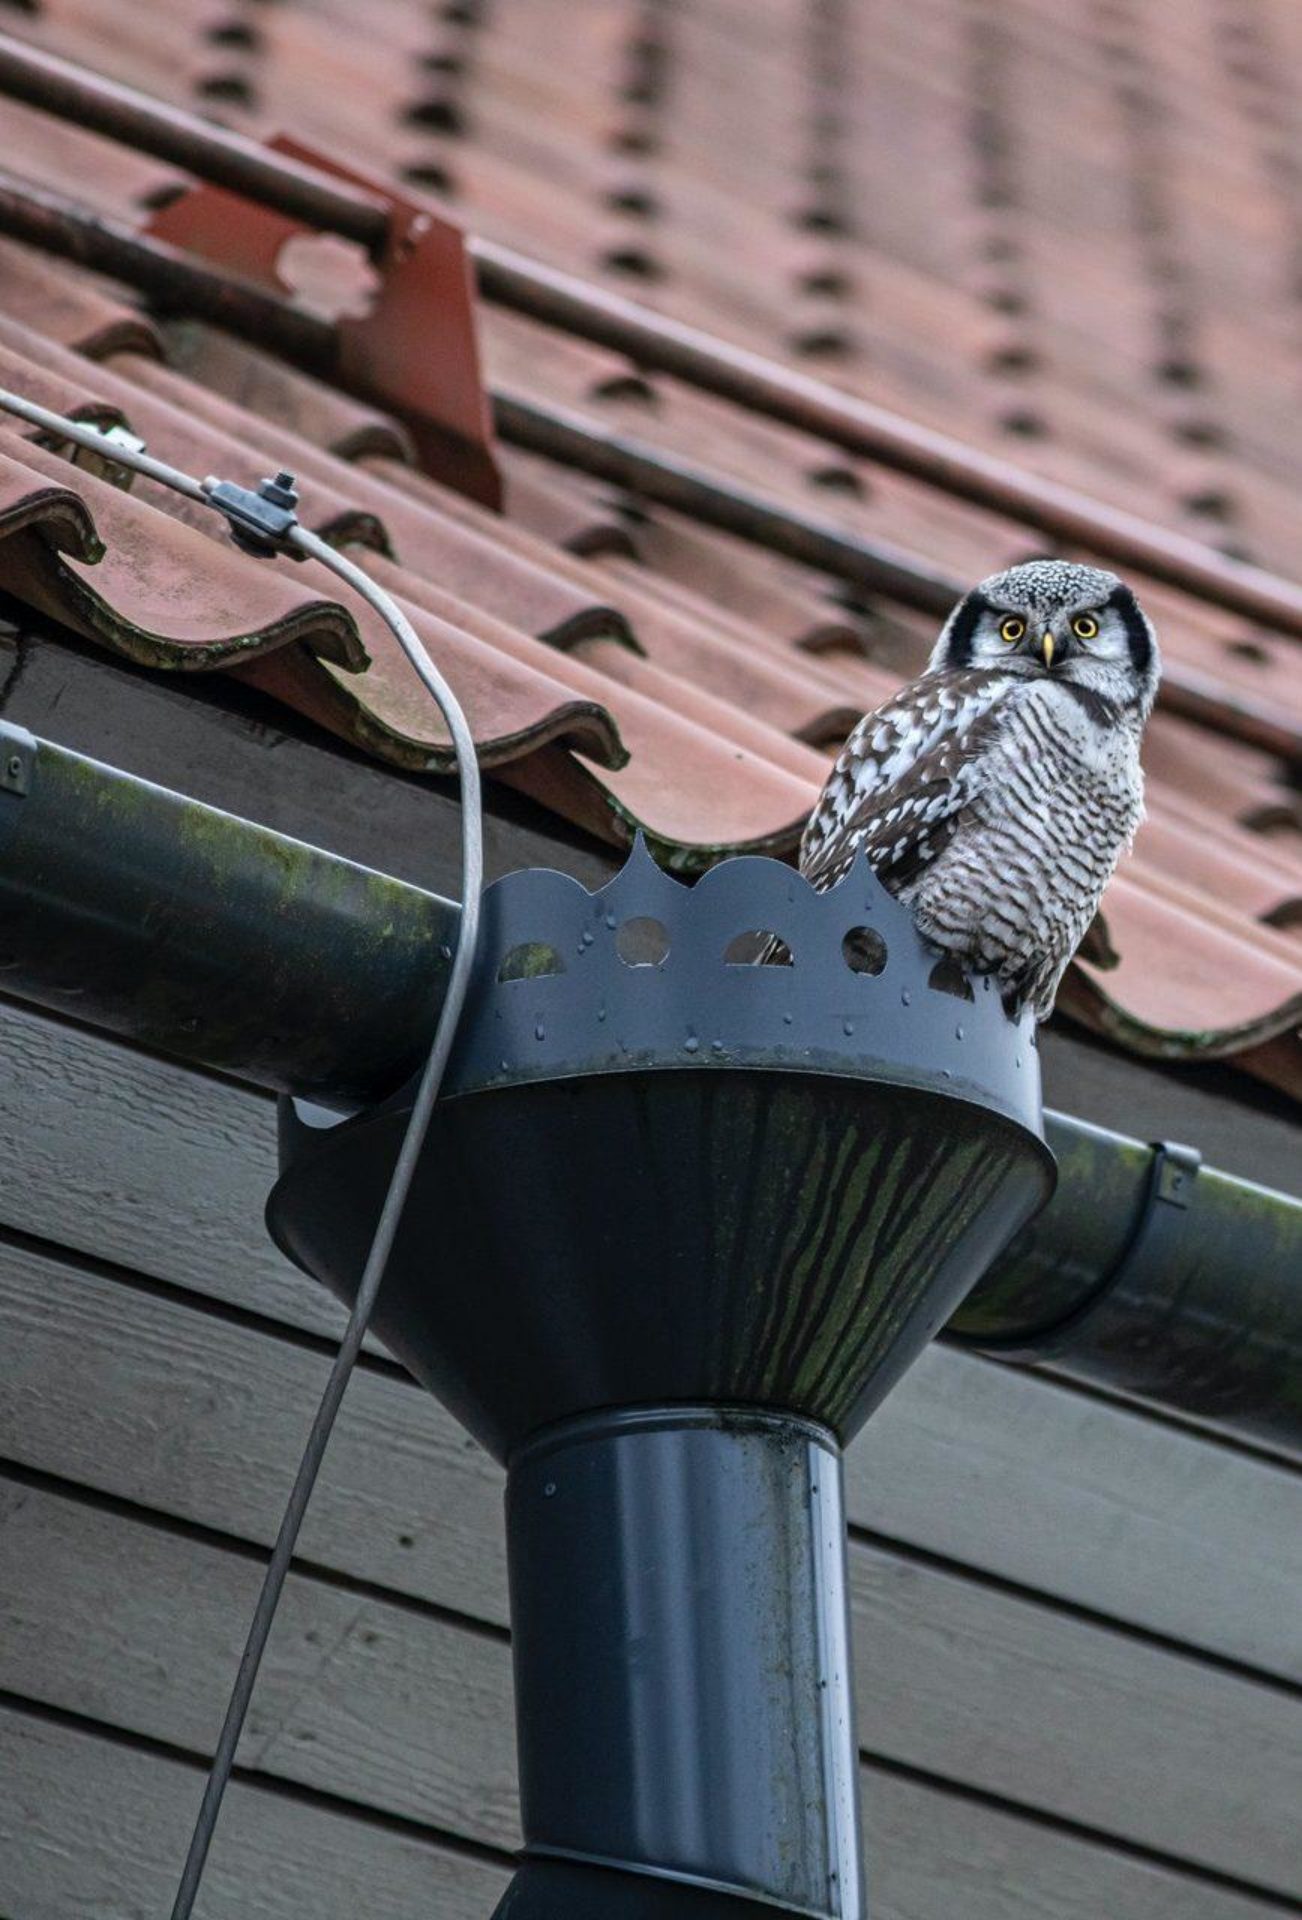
<point x="91" y="1826"/>
<point x="127" y="1158"/>
<point x="401" y="1711"/>
<point x="967" y="1682"/>
<point x="198" y="1418"/>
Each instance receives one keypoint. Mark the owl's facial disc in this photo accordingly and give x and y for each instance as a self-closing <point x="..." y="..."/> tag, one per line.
<point x="1074" y="622"/>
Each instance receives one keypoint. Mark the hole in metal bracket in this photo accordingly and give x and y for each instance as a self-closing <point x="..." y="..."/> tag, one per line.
<point x="642" y="942"/>
<point x="948" y="977"/>
<point x="755" y="945"/>
<point x="531" y="960"/>
<point x="864" y="950"/>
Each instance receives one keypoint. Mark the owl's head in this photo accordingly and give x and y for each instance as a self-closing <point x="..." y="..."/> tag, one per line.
<point x="1053" y="617"/>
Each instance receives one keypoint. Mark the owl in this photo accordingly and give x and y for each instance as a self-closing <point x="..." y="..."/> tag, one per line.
<point x="995" y="794"/>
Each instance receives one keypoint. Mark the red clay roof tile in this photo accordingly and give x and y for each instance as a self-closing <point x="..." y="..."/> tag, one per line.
<point x="255" y="383"/>
<point x="628" y="668"/>
<point x="160" y="592"/>
<point x="69" y="307"/>
<point x="54" y="511"/>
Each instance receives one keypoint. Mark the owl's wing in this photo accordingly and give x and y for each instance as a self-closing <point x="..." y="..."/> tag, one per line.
<point x="904" y="777"/>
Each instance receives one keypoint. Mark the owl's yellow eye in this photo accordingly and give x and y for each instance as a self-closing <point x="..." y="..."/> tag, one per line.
<point x="1012" y="630"/>
<point x="1085" y="626"/>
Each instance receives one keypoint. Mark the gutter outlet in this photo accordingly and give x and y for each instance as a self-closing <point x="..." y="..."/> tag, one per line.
<point x="678" y="1227"/>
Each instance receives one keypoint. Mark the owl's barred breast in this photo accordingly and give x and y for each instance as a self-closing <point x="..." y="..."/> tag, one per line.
<point x="1018" y="884"/>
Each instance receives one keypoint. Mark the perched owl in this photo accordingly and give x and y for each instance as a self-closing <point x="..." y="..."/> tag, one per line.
<point x="995" y="794"/>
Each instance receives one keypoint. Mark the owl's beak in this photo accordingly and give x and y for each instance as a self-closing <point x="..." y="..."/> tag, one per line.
<point x="1046" y="648"/>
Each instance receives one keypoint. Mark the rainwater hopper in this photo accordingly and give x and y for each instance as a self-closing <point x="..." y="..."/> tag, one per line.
<point x="680" y="1224"/>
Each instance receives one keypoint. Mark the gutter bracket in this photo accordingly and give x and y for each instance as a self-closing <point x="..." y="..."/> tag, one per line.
<point x="1163" y="1217"/>
<point x="17" y="760"/>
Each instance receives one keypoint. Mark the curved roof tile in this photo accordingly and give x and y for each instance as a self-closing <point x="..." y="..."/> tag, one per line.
<point x="628" y="668"/>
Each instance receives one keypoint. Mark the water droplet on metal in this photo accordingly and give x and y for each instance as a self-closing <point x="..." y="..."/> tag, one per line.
<point x="906" y="998"/>
<point x="716" y="1046"/>
<point x="549" y="1489"/>
<point x="540" y="1032"/>
<point x="847" y="1026"/>
<point x="958" y="1033"/>
<point x="691" y="1043"/>
<point x="787" y="1018"/>
<point x="611" y="922"/>
<point x="601" y="1013"/>
<point x="586" y="937"/>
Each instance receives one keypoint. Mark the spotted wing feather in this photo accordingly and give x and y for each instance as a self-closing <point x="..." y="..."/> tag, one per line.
<point x="904" y="778"/>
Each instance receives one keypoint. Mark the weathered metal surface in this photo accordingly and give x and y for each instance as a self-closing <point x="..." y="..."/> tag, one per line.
<point x="690" y="1226"/>
<point x="198" y="934"/>
<point x="682" y="1658"/>
<point x="776" y="1183"/>
<point x="303" y="973"/>
<point x="773" y="1238"/>
<point x="173" y="280"/>
<point x="414" y="348"/>
<point x="1200" y="1310"/>
<point x="177" y="281"/>
<point x="215" y="153"/>
<point x="648" y="972"/>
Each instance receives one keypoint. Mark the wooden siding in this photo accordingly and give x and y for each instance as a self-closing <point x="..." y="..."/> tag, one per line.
<point x="1078" y="1646"/>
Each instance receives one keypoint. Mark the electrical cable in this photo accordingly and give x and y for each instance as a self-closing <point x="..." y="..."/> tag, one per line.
<point x="265" y="522"/>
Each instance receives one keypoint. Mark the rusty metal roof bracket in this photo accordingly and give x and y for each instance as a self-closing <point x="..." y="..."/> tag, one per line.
<point x="414" y="351"/>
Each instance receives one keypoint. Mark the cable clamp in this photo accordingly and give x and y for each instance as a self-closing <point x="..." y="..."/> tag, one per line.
<point x="262" y="521"/>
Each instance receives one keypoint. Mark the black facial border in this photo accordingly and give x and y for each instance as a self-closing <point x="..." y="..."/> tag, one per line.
<point x="1141" y="645"/>
<point x="970" y="610"/>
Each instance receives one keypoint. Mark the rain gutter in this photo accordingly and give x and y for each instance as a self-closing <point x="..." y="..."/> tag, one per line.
<point x="195" y="934"/>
